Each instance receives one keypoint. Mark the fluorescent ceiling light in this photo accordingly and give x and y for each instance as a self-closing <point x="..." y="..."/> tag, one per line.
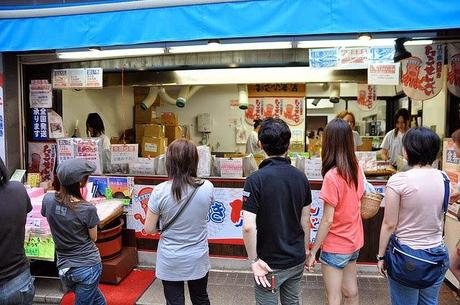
<point x="96" y="54"/>
<point x="387" y="42"/>
<point x="215" y="47"/>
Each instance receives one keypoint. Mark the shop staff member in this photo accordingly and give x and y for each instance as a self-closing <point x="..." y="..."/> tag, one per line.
<point x="276" y="213"/>
<point x="349" y="117"/>
<point x="16" y="283"/>
<point x="252" y="145"/>
<point x="392" y="143"/>
<point x="95" y="129"/>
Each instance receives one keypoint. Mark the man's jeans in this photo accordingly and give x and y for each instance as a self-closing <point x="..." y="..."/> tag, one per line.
<point x="84" y="282"/>
<point x="403" y="295"/>
<point x="287" y="287"/>
<point x="19" y="290"/>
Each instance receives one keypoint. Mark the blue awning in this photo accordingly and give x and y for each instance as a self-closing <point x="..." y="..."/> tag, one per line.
<point x="257" y="18"/>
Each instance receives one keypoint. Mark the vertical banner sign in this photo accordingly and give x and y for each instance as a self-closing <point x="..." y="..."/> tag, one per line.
<point x="39" y="124"/>
<point x="366" y="97"/>
<point x="453" y="75"/>
<point x="422" y="73"/>
<point x="2" y="117"/>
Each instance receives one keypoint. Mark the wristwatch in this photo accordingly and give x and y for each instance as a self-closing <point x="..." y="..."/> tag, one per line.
<point x="254" y="260"/>
<point x="380" y="258"/>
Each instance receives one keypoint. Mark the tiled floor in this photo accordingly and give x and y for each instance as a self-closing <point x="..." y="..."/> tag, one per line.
<point x="230" y="288"/>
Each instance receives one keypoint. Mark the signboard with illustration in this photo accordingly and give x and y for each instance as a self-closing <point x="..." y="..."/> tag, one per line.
<point x="289" y="109"/>
<point x="366" y="97"/>
<point x="422" y="73"/>
<point x="453" y="75"/>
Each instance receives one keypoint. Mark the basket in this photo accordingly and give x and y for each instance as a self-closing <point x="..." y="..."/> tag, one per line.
<point x="370" y="204"/>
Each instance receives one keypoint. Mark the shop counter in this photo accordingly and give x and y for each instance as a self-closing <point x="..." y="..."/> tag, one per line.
<point x="225" y="221"/>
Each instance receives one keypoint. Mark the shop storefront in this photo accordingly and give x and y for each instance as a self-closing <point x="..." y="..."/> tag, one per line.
<point x="206" y="77"/>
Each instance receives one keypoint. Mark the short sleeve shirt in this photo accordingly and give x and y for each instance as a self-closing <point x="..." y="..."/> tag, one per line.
<point x="393" y="145"/>
<point x="69" y="227"/>
<point x="277" y="193"/>
<point x="346" y="233"/>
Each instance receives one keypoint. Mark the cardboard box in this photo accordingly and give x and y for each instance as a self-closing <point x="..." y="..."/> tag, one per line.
<point x="153" y="147"/>
<point x="173" y="133"/>
<point x="148" y="116"/>
<point x="169" y="119"/>
<point x="115" y="269"/>
<point x="149" y="130"/>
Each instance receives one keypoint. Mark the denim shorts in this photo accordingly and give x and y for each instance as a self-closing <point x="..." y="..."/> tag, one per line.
<point x="337" y="260"/>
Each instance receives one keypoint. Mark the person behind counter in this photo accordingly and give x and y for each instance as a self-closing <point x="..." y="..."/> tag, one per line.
<point x="95" y="129"/>
<point x="252" y="145"/>
<point x="414" y="219"/>
<point x="183" y="253"/>
<point x="392" y="142"/>
<point x="73" y="223"/>
<point x="16" y="283"/>
<point x="341" y="234"/>
<point x="349" y="117"/>
<point x="455" y="197"/>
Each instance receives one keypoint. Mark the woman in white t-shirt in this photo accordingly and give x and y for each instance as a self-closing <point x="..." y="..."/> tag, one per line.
<point x="183" y="253"/>
<point x="414" y="213"/>
<point x="349" y="117"/>
<point x="392" y="143"/>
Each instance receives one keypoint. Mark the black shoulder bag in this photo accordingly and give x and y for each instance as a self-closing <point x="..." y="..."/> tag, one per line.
<point x="181" y="209"/>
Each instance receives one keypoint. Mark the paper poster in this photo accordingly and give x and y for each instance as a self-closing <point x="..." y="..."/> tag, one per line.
<point x="40" y="94"/>
<point x="383" y="74"/>
<point x="451" y="165"/>
<point x="42" y="160"/>
<point x="254" y="111"/>
<point x="93" y="78"/>
<point x="77" y="78"/>
<point x="40" y="247"/>
<point x="313" y="168"/>
<point x="142" y="166"/>
<point x="366" y="97"/>
<point x="136" y="218"/>
<point x="354" y="57"/>
<point x="293" y="111"/>
<point x="65" y="149"/>
<point x="323" y="58"/>
<point x="453" y="75"/>
<point x="55" y="125"/>
<point x="122" y="187"/>
<point x="422" y="73"/>
<point x="39" y="124"/>
<point x="88" y="149"/>
<point x="123" y="153"/>
<point x="231" y="168"/>
<point x="60" y="79"/>
<point x="381" y="54"/>
<point x="100" y="185"/>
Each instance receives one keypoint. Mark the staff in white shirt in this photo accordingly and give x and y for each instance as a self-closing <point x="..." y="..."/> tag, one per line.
<point x="252" y="145"/>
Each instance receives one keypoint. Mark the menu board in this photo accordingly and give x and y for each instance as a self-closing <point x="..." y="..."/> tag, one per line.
<point x="77" y="78"/>
<point x="123" y="153"/>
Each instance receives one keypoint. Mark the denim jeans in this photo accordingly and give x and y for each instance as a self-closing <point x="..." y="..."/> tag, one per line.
<point x="174" y="291"/>
<point x="287" y="287"/>
<point x="403" y="295"/>
<point x="84" y="282"/>
<point x="339" y="261"/>
<point x="19" y="290"/>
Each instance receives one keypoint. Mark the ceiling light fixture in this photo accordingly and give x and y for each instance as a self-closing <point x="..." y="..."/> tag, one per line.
<point x="400" y="50"/>
<point x="115" y="53"/>
<point x="365" y="37"/>
<point x="230" y="47"/>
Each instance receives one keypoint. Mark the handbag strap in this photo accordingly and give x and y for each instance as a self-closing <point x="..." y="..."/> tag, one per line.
<point x="445" y="204"/>
<point x="181" y="209"/>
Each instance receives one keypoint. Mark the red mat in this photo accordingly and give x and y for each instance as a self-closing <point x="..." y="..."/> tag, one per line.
<point x="127" y="292"/>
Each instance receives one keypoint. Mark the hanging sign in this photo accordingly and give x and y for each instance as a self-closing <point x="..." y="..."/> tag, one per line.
<point x="39" y="124"/>
<point x="40" y="94"/>
<point x="453" y="75"/>
<point x="323" y="58"/>
<point x="383" y="74"/>
<point x="93" y="78"/>
<point x="422" y="73"/>
<point x="381" y="54"/>
<point x="354" y="57"/>
<point x="366" y="97"/>
<point x="77" y="78"/>
<point x="60" y="79"/>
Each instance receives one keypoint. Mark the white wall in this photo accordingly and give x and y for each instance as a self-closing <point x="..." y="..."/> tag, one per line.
<point x="434" y="112"/>
<point x="216" y="101"/>
<point x="116" y="113"/>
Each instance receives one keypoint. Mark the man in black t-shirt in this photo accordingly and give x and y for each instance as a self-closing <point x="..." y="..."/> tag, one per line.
<point x="276" y="212"/>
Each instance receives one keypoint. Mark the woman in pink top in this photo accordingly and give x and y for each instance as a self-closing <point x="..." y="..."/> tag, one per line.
<point x="414" y="213"/>
<point x="340" y="233"/>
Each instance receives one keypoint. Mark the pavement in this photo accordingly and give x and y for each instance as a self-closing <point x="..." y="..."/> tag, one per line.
<point x="236" y="287"/>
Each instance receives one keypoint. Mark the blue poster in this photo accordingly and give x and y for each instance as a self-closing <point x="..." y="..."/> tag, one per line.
<point x="39" y="124"/>
<point x="323" y="58"/>
<point x="381" y="54"/>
